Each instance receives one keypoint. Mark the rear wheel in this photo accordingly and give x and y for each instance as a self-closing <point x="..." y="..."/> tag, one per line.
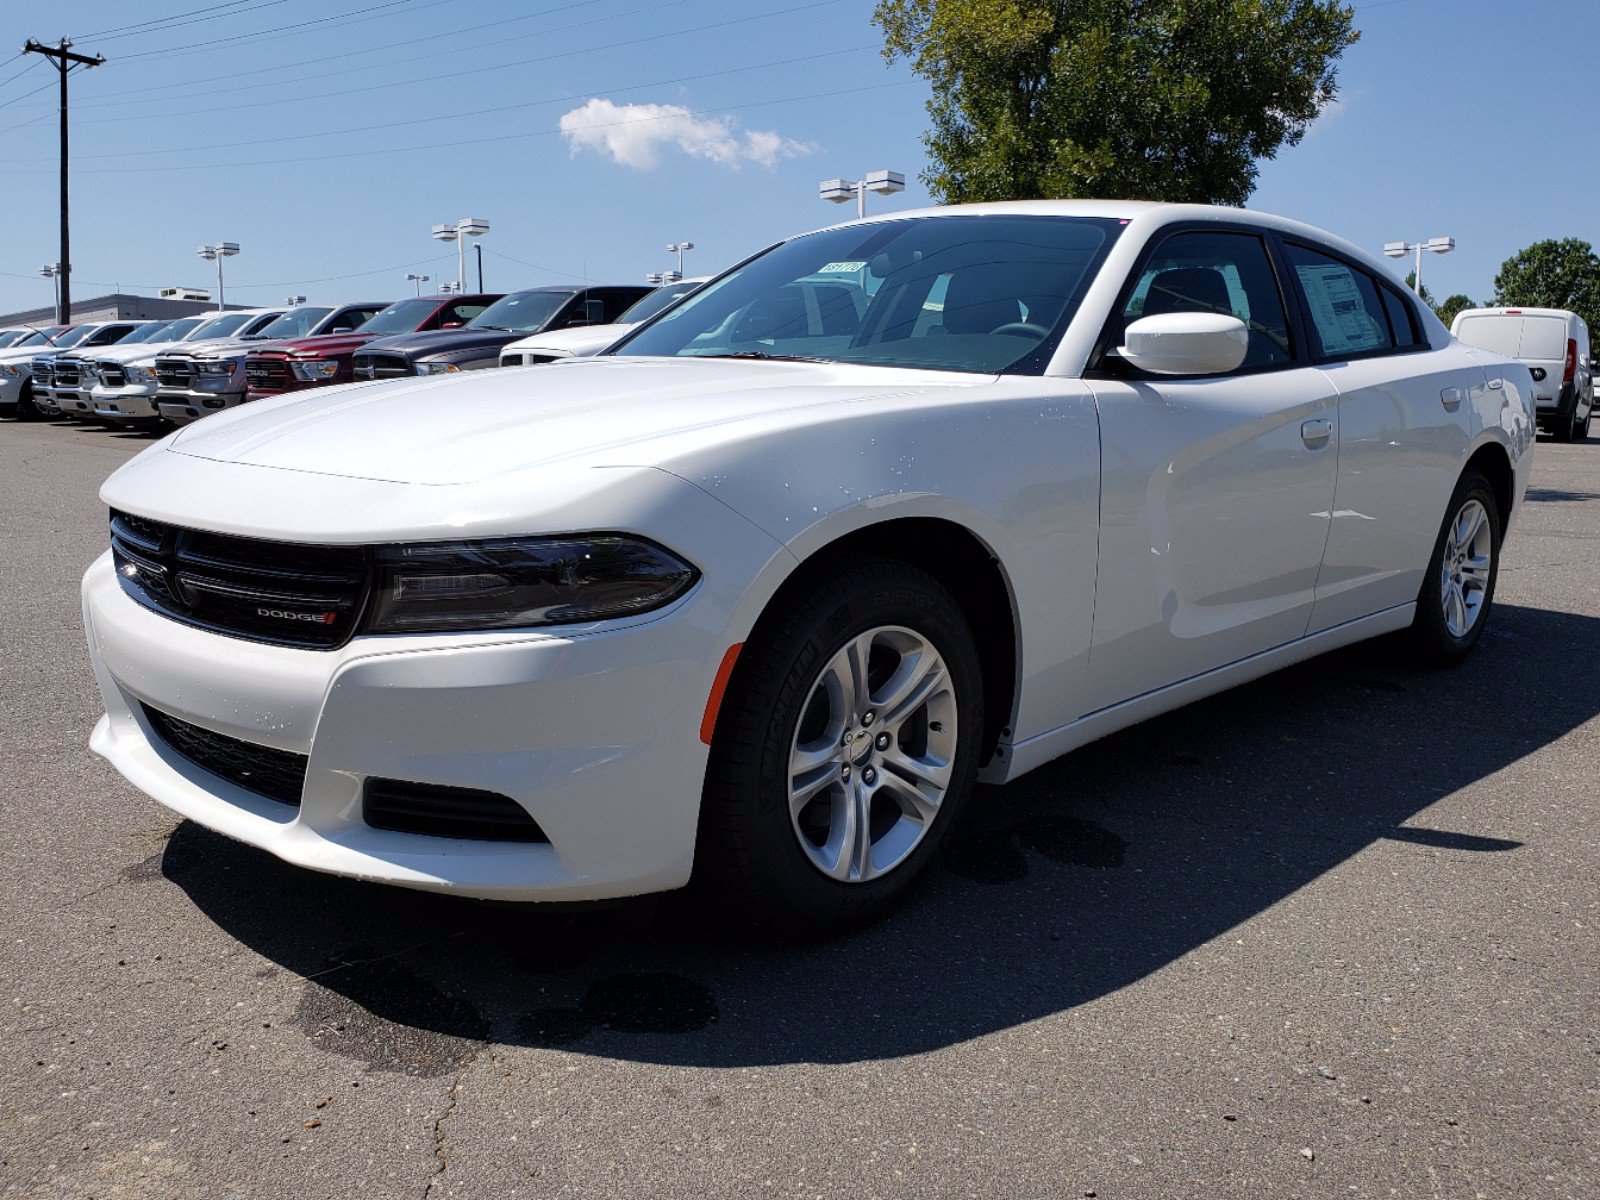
<point x="846" y="746"/>
<point x="1458" y="586"/>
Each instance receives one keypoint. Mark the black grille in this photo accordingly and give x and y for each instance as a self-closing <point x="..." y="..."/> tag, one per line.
<point x="266" y="374"/>
<point x="175" y="373"/>
<point x="450" y="812"/>
<point x="67" y="372"/>
<point x="111" y="374"/>
<point x="287" y="593"/>
<point x="41" y="369"/>
<point x="276" y="774"/>
<point x="381" y="366"/>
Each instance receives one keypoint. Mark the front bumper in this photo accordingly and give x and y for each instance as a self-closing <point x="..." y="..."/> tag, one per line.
<point x="131" y="402"/>
<point x="186" y="408"/>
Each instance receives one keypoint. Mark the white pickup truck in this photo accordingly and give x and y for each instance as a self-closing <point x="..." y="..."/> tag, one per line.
<point x="125" y="385"/>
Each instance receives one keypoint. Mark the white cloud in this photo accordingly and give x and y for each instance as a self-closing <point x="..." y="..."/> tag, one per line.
<point x="634" y="135"/>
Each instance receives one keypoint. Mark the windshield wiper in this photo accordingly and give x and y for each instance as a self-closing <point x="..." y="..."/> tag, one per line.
<point x="496" y="328"/>
<point x="762" y="355"/>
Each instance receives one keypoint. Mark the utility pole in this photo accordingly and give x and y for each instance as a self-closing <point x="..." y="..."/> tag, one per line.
<point x="65" y="60"/>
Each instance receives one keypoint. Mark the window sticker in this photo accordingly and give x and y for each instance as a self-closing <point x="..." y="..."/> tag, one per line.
<point x="1337" y="308"/>
<point x="841" y="268"/>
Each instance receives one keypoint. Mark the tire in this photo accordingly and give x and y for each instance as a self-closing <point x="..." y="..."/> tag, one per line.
<point x="27" y="410"/>
<point x="1444" y="630"/>
<point x="788" y="715"/>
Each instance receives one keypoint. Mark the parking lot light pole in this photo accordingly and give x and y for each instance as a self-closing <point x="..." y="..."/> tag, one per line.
<point x="216" y="252"/>
<point x="660" y="277"/>
<point x="294" y="301"/>
<point x="1438" y="245"/>
<point x="474" y="227"/>
<point x="419" y="280"/>
<point x="678" y="248"/>
<point x="842" y="191"/>
<point x="53" y="271"/>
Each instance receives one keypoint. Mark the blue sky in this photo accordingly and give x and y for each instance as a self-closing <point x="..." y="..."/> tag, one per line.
<point x="1472" y="118"/>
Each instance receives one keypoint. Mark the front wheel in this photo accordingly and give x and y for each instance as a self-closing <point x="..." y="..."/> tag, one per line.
<point x="844" y="750"/>
<point x="1458" y="586"/>
<point x="27" y="410"/>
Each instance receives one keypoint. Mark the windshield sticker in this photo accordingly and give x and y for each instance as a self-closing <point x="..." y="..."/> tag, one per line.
<point x="841" y="268"/>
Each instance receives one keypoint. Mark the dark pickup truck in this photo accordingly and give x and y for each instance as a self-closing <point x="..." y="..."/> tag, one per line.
<point x="509" y="319"/>
<point x="289" y="366"/>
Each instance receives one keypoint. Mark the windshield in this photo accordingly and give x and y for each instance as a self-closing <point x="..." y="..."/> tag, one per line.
<point x="988" y="294"/>
<point x="297" y="322"/>
<point x="152" y="332"/>
<point x="11" y="337"/>
<point x="222" y="326"/>
<point x="179" y="331"/>
<point x="403" y="316"/>
<point x="521" y="312"/>
<point x="663" y="297"/>
<point x="75" y="335"/>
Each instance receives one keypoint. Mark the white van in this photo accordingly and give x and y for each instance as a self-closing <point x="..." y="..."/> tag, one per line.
<point x="1554" y="343"/>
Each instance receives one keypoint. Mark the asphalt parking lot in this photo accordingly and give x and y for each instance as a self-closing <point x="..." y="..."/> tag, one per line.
<point x="1334" y="934"/>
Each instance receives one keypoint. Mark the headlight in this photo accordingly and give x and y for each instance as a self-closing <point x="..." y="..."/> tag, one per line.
<point x="437" y="368"/>
<point x="140" y="374"/>
<point x="8" y="369"/>
<point x="315" y="371"/>
<point x="516" y="582"/>
<point x="215" y="369"/>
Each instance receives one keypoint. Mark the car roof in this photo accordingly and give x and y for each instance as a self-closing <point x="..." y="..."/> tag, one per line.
<point x="1142" y="215"/>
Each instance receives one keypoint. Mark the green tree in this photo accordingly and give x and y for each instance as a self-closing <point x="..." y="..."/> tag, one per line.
<point x="1131" y="99"/>
<point x="1453" y="306"/>
<point x="1553" y="273"/>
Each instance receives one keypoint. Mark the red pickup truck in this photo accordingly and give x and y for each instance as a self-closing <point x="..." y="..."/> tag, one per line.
<point x="318" y="361"/>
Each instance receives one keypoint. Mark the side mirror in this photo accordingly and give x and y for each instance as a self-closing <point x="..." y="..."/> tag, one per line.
<point x="1186" y="344"/>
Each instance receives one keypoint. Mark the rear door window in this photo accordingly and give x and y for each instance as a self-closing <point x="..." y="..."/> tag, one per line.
<point x="1346" y="312"/>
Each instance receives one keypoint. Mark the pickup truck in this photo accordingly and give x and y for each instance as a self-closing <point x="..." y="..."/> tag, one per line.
<point x="479" y="342"/>
<point x="26" y="372"/>
<point x="73" y="372"/>
<point x="207" y="379"/>
<point x="292" y="365"/>
<point x="126" y="386"/>
<point x="587" y="341"/>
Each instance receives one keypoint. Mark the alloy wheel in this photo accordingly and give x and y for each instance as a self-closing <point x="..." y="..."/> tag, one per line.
<point x="1465" y="569"/>
<point x="872" y="755"/>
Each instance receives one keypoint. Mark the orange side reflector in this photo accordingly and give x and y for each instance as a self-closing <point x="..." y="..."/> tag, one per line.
<point x="719" y="685"/>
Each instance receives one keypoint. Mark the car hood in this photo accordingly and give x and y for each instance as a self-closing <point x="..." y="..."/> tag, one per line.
<point x="579" y="343"/>
<point x="319" y="346"/>
<point x="441" y="341"/>
<point x="216" y="348"/>
<point x="122" y="354"/>
<point x="599" y="411"/>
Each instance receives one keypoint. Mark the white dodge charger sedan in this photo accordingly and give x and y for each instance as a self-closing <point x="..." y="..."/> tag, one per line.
<point x="757" y="595"/>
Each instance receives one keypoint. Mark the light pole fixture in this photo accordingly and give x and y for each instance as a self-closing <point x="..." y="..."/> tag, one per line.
<point x="1438" y="245"/>
<point x="449" y="289"/>
<point x="294" y="301"/>
<point x="419" y="280"/>
<point x="216" y="252"/>
<point x="458" y="233"/>
<point x="842" y="191"/>
<point x="660" y="277"/>
<point x="53" y="271"/>
<point x="678" y="248"/>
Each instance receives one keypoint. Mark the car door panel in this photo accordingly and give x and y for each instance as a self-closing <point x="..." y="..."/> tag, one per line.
<point x="1402" y="439"/>
<point x="1214" y="514"/>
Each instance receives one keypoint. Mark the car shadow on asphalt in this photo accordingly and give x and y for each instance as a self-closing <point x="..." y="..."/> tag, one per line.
<point x="1081" y="878"/>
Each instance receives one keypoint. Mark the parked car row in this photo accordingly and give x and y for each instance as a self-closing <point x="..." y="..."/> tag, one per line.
<point x="135" y="372"/>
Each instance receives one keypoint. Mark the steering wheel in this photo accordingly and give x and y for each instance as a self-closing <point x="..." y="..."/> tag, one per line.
<point x="1022" y="329"/>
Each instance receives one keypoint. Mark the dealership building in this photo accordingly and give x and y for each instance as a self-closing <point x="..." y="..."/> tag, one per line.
<point x="118" y="306"/>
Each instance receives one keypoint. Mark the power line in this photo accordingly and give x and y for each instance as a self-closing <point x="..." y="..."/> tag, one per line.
<point x="481" y="70"/>
<point x="477" y="112"/>
<point x="456" y="143"/>
<point x="536" y="266"/>
<point x="161" y="25"/>
<point x="336" y="21"/>
<point x="188" y="84"/>
<point x="156" y="20"/>
<point x="38" y="62"/>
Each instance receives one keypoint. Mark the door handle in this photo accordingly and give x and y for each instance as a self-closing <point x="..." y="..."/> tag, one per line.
<point x="1450" y="398"/>
<point x="1315" y="434"/>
